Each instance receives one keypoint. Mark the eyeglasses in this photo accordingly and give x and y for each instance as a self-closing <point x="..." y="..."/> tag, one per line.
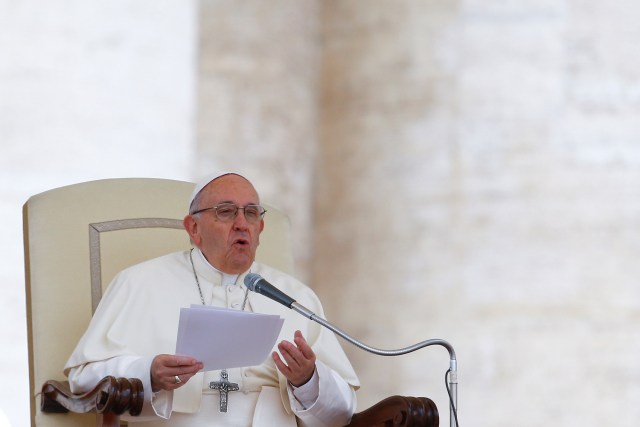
<point x="228" y="212"/>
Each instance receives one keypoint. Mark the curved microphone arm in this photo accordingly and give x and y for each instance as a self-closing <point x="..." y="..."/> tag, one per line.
<point x="453" y="379"/>
<point x="311" y="315"/>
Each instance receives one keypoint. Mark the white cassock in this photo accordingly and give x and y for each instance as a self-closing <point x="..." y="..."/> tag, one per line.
<point x="137" y="319"/>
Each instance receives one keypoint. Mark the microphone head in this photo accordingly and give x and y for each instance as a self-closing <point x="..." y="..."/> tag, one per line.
<point x="251" y="279"/>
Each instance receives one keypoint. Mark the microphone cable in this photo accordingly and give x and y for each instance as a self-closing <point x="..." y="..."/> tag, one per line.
<point x="453" y="407"/>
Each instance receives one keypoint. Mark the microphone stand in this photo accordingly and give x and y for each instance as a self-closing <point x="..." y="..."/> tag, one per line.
<point x="453" y="377"/>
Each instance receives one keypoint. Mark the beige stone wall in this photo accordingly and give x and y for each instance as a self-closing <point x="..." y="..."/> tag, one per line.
<point x="480" y="184"/>
<point x="389" y="146"/>
<point x="457" y="170"/>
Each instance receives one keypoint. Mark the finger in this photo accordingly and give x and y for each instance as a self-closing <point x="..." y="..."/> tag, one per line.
<point x="186" y="369"/>
<point x="187" y="376"/>
<point x="169" y="383"/>
<point x="282" y="367"/>
<point x="178" y="381"/>
<point x="174" y="360"/>
<point x="165" y="362"/>
<point x="303" y="346"/>
<point x="290" y="353"/>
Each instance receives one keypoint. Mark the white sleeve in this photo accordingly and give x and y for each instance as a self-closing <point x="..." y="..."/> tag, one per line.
<point x="84" y="377"/>
<point x="326" y="400"/>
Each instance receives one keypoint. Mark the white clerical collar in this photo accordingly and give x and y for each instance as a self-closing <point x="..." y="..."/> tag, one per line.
<point x="227" y="279"/>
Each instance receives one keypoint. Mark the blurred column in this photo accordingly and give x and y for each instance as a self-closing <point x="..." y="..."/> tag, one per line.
<point x="257" y="104"/>
<point x="384" y="171"/>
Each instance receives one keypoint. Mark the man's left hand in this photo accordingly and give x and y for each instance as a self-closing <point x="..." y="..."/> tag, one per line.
<point x="299" y="360"/>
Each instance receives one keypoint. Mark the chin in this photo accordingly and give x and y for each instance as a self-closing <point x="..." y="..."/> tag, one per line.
<point x="240" y="267"/>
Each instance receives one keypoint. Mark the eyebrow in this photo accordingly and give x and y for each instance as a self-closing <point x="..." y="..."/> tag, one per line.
<point x="234" y="203"/>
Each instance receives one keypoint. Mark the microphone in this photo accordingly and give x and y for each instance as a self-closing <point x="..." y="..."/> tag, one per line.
<point x="256" y="283"/>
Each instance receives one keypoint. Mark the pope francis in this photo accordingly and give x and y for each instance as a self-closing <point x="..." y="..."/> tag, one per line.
<point x="307" y="381"/>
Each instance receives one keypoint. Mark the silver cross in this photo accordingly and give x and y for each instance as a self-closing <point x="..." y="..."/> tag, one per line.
<point x="224" y="387"/>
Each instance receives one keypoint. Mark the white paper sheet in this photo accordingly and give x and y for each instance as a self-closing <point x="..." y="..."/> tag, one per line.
<point x="222" y="338"/>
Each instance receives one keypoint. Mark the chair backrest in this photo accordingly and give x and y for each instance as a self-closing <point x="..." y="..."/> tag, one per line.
<point x="76" y="238"/>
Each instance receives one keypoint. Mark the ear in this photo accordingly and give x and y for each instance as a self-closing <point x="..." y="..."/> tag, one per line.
<point x="191" y="226"/>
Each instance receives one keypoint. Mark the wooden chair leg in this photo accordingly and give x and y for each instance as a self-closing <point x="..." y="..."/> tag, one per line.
<point x="108" y="419"/>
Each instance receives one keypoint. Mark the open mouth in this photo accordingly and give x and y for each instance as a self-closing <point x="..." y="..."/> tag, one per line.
<point x="241" y="242"/>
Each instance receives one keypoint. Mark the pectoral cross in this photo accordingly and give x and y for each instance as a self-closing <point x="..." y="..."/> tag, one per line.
<point x="224" y="387"/>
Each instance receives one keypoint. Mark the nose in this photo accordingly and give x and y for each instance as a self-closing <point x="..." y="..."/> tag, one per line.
<point x="240" y="222"/>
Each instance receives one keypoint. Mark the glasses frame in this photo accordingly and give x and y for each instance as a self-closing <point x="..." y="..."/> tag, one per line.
<point x="262" y="211"/>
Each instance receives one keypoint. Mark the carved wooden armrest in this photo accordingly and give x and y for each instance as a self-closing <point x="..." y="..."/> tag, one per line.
<point x="116" y="396"/>
<point x="110" y="395"/>
<point x="398" y="411"/>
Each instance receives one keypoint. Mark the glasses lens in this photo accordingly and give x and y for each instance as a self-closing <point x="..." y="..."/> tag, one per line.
<point x="226" y="211"/>
<point x="253" y="213"/>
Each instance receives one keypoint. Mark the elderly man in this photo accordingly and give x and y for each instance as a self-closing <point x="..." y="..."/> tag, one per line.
<point x="307" y="382"/>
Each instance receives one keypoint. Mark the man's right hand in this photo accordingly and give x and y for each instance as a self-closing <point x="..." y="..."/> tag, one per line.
<point x="169" y="372"/>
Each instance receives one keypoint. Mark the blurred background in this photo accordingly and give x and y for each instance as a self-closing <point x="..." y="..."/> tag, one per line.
<point x="466" y="170"/>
